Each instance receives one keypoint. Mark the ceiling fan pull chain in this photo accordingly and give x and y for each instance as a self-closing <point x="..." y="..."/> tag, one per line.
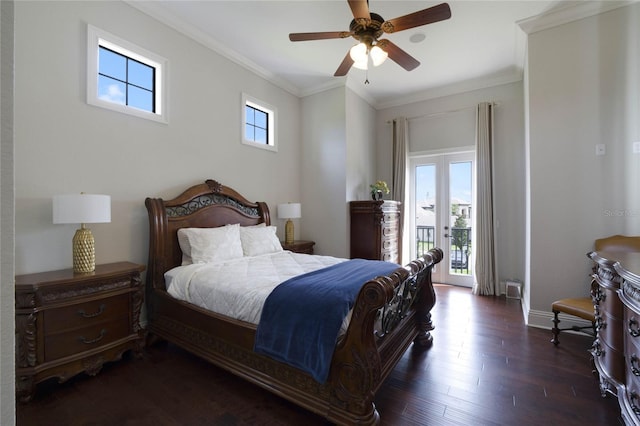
<point x="366" y="77"/>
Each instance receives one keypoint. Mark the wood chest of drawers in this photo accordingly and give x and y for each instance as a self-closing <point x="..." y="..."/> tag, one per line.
<point x="375" y="230"/>
<point x="627" y="268"/>
<point x="608" y="348"/>
<point x="70" y="323"/>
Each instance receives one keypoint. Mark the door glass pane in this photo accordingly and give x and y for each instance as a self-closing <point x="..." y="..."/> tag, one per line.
<point x="460" y="180"/>
<point x="426" y="211"/>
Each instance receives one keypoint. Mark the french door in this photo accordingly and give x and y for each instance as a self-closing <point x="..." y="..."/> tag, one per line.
<point x="442" y="198"/>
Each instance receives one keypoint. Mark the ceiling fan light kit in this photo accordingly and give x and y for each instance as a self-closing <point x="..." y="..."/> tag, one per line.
<point x="367" y="27"/>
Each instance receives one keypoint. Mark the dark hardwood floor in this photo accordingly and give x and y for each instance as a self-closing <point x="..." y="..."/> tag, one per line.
<point x="485" y="368"/>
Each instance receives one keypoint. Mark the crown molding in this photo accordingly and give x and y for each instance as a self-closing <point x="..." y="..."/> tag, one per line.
<point x="485" y="82"/>
<point x="570" y="12"/>
<point x="154" y="10"/>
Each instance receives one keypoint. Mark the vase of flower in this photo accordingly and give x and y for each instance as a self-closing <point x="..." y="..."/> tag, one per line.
<point x="378" y="189"/>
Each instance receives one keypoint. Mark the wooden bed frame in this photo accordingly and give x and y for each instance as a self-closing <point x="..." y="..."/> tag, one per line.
<point x="390" y="312"/>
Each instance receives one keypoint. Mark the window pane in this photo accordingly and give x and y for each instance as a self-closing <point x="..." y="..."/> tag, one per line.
<point x="140" y="74"/>
<point x="111" y="90"/>
<point x="248" y="132"/>
<point x="261" y="135"/>
<point x="112" y="64"/>
<point x="249" y="112"/>
<point x="426" y="208"/>
<point x="140" y="98"/>
<point x="261" y="119"/>
<point x="460" y="180"/>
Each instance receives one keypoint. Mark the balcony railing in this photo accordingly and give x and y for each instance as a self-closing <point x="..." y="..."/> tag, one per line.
<point x="460" y="249"/>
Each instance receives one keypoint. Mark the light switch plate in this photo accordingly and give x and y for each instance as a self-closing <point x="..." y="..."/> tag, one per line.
<point x="636" y="147"/>
<point x="600" y="149"/>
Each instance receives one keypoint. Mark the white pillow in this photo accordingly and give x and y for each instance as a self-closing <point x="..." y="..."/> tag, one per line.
<point x="257" y="240"/>
<point x="184" y="246"/>
<point x="206" y="245"/>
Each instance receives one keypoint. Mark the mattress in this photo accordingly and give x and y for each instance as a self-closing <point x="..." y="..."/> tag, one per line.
<point x="238" y="288"/>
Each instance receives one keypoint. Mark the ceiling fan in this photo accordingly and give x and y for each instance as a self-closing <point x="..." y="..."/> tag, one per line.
<point x="367" y="27"/>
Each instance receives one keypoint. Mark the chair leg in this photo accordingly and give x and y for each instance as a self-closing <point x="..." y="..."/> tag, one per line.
<point x="555" y="328"/>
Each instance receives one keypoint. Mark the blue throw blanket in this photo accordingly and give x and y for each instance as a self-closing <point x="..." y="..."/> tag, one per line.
<point x="302" y="316"/>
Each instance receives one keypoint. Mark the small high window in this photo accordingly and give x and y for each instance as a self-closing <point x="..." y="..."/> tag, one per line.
<point x="258" y="124"/>
<point x="124" y="77"/>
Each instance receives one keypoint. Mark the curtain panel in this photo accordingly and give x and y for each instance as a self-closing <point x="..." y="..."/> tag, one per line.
<point x="399" y="176"/>
<point x="486" y="265"/>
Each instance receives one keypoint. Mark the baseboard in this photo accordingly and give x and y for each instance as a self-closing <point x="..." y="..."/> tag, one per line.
<point x="544" y="319"/>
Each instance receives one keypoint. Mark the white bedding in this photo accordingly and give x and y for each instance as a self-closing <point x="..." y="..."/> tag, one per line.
<point x="238" y="288"/>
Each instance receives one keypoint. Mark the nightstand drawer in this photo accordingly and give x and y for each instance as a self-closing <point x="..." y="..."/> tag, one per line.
<point x="59" y="345"/>
<point x="86" y="314"/>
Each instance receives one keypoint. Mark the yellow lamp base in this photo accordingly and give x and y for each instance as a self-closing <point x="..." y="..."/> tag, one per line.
<point x="288" y="232"/>
<point x="84" y="252"/>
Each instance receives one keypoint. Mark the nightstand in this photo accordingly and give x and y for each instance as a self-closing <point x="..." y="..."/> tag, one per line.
<point x="69" y="323"/>
<point x="299" y="246"/>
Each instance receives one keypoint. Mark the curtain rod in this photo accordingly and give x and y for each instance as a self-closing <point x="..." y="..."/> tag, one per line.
<point x="451" y="111"/>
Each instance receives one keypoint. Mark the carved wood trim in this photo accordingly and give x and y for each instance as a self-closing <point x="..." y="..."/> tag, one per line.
<point x="56" y="294"/>
<point x="26" y="340"/>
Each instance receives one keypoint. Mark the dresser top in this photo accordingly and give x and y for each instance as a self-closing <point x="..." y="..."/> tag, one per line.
<point x="40" y="279"/>
<point x="626" y="264"/>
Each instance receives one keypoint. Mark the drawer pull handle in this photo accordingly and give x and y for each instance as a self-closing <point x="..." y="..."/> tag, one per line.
<point x="633" y="328"/>
<point x="596" y="349"/>
<point x="92" y="341"/>
<point x="83" y="314"/>
<point x="634" y="365"/>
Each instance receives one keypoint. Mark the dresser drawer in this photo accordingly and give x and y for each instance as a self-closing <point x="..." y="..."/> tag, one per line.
<point x="610" y="331"/>
<point x="611" y="360"/>
<point x="86" y="314"/>
<point x="390" y="218"/>
<point x="391" y="256"/>
<point x="59" y="345"/>
<point x="390" y="233"/>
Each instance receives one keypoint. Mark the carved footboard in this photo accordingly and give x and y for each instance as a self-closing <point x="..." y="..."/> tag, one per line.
<point x="389" y="313"/>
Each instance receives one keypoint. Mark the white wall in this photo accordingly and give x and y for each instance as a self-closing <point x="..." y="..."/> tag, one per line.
<point x="7" y="314"/>
<point x="324" y="151"/>
<point x="338" y="163"/>
<point x="448" y="123"/>
<point x="64" y="145"/>
<point x="361" y="147"/>
<point x="584" y="80"/>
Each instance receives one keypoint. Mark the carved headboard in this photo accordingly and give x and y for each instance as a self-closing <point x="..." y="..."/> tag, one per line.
<point x="206" y="205"/>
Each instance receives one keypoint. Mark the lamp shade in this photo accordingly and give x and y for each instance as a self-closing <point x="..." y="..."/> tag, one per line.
<point x="378" y="56"/>
<point x="289" y="211"/>
<point x="360" y="55"/>
<point x="81" y="208"/>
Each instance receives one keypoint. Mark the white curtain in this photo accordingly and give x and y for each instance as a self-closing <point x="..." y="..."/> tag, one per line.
<point x="486" y="265"/>
<point x="399" y="175"/>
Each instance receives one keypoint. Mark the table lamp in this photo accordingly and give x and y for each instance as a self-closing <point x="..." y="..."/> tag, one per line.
<point x="82" y="208"/>
<point x="288" y="211"/>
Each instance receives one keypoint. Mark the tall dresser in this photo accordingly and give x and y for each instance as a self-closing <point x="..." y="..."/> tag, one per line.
<point x="608" y="348"/>
<point x="375" y="230"/>
<point x="624" y="378"/>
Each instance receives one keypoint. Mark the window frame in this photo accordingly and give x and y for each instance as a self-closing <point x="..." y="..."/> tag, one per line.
<point x="271" y="112"/>
<point x="97" y="38"/>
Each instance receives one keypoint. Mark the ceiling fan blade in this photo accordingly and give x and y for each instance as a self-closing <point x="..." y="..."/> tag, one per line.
<point x="319" y="36"/>
<point x="419" y="18"/>
<point x="360" y="9"/>
<point x="344" y="67"/>
<point x="398" y="55"/>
